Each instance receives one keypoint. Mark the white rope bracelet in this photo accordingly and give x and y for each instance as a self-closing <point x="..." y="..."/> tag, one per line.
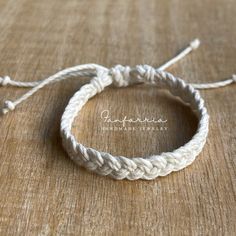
<point x="120" y="167"/>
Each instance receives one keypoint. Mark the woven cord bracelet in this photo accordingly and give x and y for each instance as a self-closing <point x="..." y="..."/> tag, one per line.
<point x="120" y="167"/>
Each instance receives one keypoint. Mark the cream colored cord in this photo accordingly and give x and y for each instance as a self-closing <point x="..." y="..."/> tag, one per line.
<point x="120" y="167"/>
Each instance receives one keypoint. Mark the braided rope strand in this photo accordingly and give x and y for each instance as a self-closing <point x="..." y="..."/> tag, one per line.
<point x="120" y="167"/>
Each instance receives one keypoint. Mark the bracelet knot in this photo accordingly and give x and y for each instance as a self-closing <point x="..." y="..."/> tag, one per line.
<point x="8" y="106"/>
<point x="146" y="72"/>
<point x="234" y="77"/>
<point x="100" y="81"/>
<point x="120" y="75"/>
<point x="5" y="80"/>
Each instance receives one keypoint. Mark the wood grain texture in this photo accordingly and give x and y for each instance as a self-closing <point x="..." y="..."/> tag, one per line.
<point x="42" y="191"/>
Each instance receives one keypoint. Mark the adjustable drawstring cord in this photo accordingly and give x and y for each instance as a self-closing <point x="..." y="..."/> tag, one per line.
<point x="90" y="70"/>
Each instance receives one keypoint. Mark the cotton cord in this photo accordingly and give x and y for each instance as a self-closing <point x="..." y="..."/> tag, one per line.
<point x="120" y="167"/>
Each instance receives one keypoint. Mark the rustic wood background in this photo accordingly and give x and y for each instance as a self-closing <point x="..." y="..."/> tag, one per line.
<point x="42" y="192"/>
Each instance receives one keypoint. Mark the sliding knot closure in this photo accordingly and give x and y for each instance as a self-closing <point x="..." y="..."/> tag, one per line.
<point x="100" y="81"/>
<point x="120" y="75"/>
<point x="120" y="167"/>
<point x="146" y="73"/>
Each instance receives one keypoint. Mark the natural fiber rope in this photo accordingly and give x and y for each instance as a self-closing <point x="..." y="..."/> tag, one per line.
<point x="120" y="167"/>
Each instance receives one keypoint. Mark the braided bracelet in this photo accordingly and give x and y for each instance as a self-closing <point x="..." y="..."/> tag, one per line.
<point x="120" y="167"/>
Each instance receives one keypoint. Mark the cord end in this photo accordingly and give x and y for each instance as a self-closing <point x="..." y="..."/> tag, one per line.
<point x="195" y="44"/>
<point x="5" y="80"/>
<point x="234" y="78"/>
<point x="8" y="106"/>
<point x="4" y="111"/>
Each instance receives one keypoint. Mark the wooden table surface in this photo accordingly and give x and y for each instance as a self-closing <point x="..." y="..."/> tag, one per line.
<point x="42" y="191"/>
